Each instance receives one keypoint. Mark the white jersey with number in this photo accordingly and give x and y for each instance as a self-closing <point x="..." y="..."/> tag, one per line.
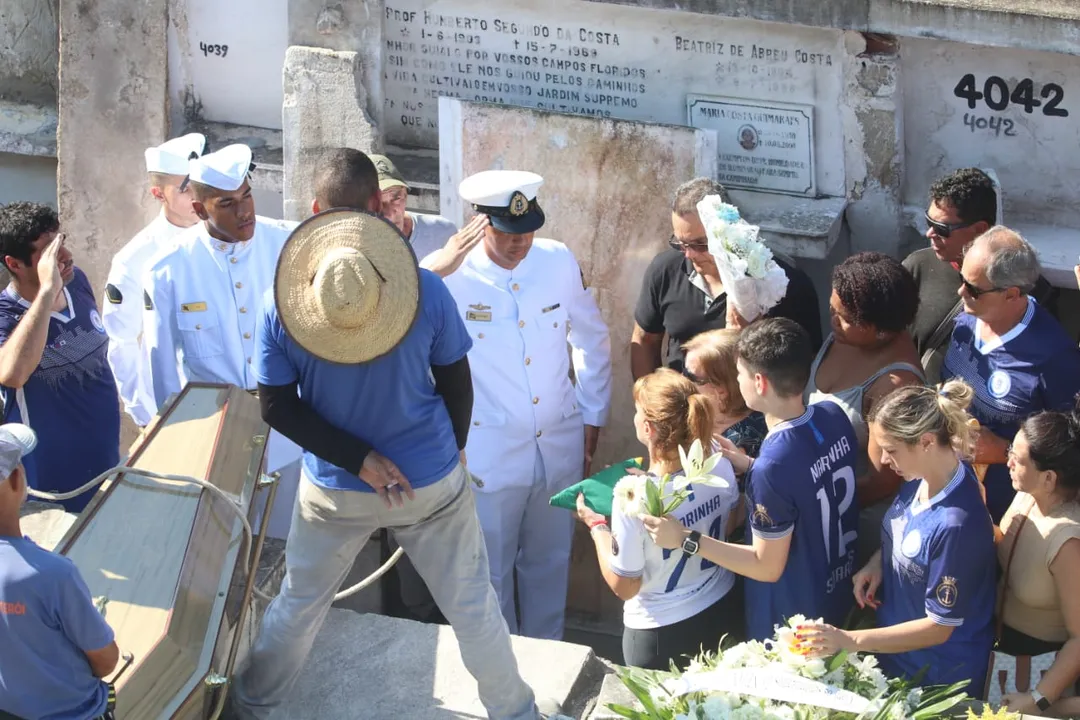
<point x="674" y="585"/>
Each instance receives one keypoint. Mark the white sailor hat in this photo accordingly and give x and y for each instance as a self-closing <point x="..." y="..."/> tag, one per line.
<point x="226" y="169"/>
<point x="171" y="158"/>
<point x="508" y="197"/>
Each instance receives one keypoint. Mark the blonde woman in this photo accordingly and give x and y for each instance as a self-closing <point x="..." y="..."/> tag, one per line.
<point x="711" y="365"/>
<point x="675" y="602"/>
<point x="933" y="580"/>
<point x="1039" y="552"/>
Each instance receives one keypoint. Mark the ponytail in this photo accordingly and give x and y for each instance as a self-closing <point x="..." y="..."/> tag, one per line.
<point x="910" y="412"/>
<point x="678" y="413"/>
<point x="700" y="419"/>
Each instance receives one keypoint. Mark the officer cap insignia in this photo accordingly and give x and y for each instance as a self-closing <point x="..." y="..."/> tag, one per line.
<point x="146" y="301"/>
<point x="113" y="294"/>
<point x="519" y="204"/>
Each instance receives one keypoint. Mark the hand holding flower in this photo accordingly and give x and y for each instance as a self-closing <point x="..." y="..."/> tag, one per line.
<point x="666" y="532"/>
<point x="822" y="640"/>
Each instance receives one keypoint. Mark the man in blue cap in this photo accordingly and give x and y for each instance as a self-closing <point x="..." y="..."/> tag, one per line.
<point x="533" y="431"/>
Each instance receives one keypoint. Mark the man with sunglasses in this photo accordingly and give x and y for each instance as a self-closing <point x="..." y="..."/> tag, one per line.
<point x="682" y="295"/>
<point x="963" y="205"/>
<point x="433" y="238"/>
<point x="1015" y="355"/>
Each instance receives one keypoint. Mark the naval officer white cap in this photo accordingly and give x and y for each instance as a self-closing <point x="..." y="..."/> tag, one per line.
<point x="508" y="197"/>
<point x="171" y="158"/>
<point x="226" y="169"/>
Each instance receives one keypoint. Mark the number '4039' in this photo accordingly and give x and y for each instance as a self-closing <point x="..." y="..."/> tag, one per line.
<point x="997" y="95"/>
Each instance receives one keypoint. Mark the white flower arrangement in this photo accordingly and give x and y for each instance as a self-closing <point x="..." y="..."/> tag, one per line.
<point x="637" y="495"/>
<point x="778" y="680"/>
<point x="754" y="283"/>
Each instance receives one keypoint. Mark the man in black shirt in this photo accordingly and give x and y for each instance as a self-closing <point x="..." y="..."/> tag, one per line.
<point x="682" y="295"/>
<point x="963" y="206"/>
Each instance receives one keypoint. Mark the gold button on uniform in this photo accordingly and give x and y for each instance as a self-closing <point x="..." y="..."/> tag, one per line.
<point x="247" y="336"/>
<point x="516" y="286"/>
<point x="521" y="323"/>
<point x="480" y="336"/>
<point x="539" y="433"/>
<point x="239" y="285"/>
<point x="243" y="310"/>
<point x="198" y="327"/>
<point x="528" y="361"/>
<point x="476" y="422"/>
<point x="555" y="324"/>
<point x="536" y="401"/>
<point x="233" y="260"/>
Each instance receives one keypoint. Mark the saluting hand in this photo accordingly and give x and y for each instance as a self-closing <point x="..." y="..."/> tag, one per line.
<point x="383" y="475"/>
<point x="48" y="268"/>
<point x="458" y="246"/>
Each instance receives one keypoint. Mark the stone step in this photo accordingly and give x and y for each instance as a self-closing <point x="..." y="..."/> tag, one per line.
<point x="378" y="667"/>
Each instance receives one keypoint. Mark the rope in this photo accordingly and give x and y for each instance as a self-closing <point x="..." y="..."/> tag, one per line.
<point x="248" y="535"/>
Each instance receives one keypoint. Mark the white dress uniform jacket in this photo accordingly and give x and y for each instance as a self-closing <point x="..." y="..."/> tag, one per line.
<point x="202" y="300"/>
<point x="122" y="313"/>
<point x="520" y="321"/>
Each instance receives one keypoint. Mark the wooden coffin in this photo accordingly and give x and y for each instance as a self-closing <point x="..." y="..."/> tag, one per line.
<point x="163" y="554"/>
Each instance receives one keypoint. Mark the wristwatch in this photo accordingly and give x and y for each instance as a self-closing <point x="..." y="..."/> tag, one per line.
<point x="1040" y="699"/>
<point x="692" y="543"/>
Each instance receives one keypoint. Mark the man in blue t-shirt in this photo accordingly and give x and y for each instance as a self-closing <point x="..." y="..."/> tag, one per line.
<point x="800" y="491"/>
<point x="361" y="360"/>
<point x="1011" y="351"/>
<point x="54" y="644"/>
<point x="54" y="369"/>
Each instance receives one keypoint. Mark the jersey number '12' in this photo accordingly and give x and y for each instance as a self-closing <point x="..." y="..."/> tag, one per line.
<point x="826" y="496"/>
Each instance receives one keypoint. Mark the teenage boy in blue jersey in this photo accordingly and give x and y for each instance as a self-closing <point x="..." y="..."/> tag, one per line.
<point x="54" y="367"/>
<point x="800" y="491"/>
<point x="54" y="644"/>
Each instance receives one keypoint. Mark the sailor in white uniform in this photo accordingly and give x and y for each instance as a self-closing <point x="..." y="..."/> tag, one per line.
<point x="167" y="165"/>
<point x="201" y="300"/>
<point x="534" y="432"/>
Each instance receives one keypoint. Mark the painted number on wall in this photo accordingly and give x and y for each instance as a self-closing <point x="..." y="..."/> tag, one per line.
<point x="997" y="95"/>
<point x="219" y="50"/>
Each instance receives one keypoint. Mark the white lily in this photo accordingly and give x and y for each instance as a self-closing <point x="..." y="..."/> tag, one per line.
<point x="697" y="468"/>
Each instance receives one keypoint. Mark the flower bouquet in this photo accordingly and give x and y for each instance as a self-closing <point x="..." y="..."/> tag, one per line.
<point x="777" y="680"/>
<point x="637" y="495"/>
<point x="754" y="283"/>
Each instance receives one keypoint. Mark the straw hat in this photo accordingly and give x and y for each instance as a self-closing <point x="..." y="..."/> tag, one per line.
<point x="347" y="286"/>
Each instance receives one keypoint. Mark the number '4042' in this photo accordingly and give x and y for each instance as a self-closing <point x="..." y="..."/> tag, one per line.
<point x="997" y="95"/>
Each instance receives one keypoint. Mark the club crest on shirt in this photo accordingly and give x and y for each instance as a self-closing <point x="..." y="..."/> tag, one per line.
<point x="911" y="544"/>
<point x="96" y="320"/>
<point x="999" y="384"/>
<point x="614" y="546"/>
<point x="761" y="515"/>
<point x="947" y="592"/>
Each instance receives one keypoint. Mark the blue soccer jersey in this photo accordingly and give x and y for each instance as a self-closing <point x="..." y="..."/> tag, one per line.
<point x="1033" y="367"/>
<point x="70" y="399"/>
<point x="803" y="484"/>
<point x="938" y="561"/>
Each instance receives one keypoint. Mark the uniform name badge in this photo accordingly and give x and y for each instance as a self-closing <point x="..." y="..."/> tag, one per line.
<point x="479" y="313"/>
<point x="193" y="307"/>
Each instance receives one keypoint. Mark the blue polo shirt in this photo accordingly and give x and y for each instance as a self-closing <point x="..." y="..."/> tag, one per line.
<point x="389" y="402"/>
<point x="939" y="562"/>
<point x="70" y="400"/>
<point x="48" y="623"/>
<point x="1033" y="367"/>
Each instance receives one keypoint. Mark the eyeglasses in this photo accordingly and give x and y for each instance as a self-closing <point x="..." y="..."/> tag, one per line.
<point x="694" y="246"/>
<point x="699" y="381"/>
<point x="977" y="292"/>
<point x="396" y="195"/>
<point x="944" y="230"/>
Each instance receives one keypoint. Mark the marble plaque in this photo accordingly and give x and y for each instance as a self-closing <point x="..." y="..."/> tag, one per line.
<point x="762" y="146"/>
<point x="604" y="61"/>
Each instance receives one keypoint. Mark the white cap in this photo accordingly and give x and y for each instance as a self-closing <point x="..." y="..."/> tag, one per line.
<point x="494" y="188"/>
<point x="226" y="169"/>
<point x="171" y="158"/>
<point x="16" y="441"/>
<point x="507" y="197"/>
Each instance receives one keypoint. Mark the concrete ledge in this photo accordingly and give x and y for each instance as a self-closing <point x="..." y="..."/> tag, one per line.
<point x="265" y="144"/>
<point x="370" y="666"/>
<point x="799" y="227"/>
<point x="27" y="129"/>
<point x="1058" y="247"/>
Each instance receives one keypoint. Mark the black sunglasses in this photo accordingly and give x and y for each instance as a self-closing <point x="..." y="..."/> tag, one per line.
<point x="977" y="292"/>
<point x="944" y="230"/>
<point x="699" y="381"/>
<point x="697" y="246"/>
